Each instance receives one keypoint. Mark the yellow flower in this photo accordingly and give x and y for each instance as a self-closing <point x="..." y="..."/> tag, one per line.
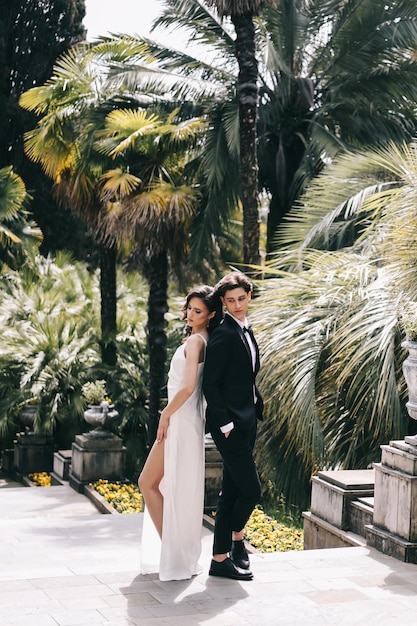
<point x="42" y="479"/>
<point x="267" y="535"/>
<point x="125" y="498"/>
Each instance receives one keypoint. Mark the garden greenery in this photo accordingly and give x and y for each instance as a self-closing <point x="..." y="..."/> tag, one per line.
<point x="330" y="321"/>
<point x="50" y="347"/>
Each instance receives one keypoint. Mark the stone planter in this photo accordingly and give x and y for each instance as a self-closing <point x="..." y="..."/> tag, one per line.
<point x="94" y="457"/>
<point x="62" y="464"/>
<point x="410" y="375"/>
<point x="98" y="453"/>
<point x="101" y="416"/>
<point x="7" y="459"/>
<point x="394" y="527"/>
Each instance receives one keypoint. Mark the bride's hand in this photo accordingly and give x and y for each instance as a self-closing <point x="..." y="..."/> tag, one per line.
<point x="162" y="428"/>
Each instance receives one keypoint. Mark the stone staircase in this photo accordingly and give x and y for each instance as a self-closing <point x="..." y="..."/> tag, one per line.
<point x="341" y="507"/>
<point x="376" y="508"/>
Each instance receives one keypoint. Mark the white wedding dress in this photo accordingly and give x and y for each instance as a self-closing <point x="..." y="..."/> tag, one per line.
<point x="176" y="556"/>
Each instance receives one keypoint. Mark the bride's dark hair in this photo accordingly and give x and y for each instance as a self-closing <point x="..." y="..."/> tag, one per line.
<point x="212" y="301"/>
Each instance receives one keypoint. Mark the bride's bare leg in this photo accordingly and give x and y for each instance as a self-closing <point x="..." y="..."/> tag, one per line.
<point x="148" y="482"/>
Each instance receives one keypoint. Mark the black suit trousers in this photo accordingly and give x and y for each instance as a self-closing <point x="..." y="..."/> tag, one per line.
<point x="241" y="487"/>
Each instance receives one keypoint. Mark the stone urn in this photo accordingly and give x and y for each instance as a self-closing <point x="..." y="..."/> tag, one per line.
<point x="410" y="375"/>
<point x="26" y="416"/>
<point x="98" y="453"/>
<point x="101" y="416"/>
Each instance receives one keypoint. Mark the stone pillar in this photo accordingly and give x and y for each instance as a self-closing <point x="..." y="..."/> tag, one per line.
<point x="95" y="457"/>
<point x="394" y="527"/>
<point x="33" y="453"/>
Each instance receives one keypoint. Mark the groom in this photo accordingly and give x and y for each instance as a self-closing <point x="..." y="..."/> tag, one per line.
<point x="233" y="405"/>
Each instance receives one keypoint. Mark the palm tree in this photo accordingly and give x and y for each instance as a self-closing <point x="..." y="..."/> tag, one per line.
<point x="215" y="231"/>
<point x="338" y="77"/>
<point x="73" y="105"/>
<point x="49" y="347"/>
<point x="332" y="75"/>
<point x="241" y="13"/>
<point x="17" y="233"/>
<point x="336" y="391"/>
<point x="87" y="152"/>
<point x="150" y="207"/>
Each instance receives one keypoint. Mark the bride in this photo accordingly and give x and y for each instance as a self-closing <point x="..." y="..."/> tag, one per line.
<point x="172" y="479"/>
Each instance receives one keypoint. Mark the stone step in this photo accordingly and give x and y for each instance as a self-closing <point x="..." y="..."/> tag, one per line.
<point x="368" y="501"/>
<point x="361" y="514"/>
<point x="333" y="492"/>
<point x="341" y="508"/>
<point x="319" y="534"/>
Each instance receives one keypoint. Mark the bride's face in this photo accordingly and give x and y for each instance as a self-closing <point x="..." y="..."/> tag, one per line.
<point x="198" y="314"/>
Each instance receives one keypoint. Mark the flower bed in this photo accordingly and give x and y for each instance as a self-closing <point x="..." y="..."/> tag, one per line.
<point x="125" y="498"/>
<point x="268" y="535"/>
<point x="262" y="531"/>
<point x="40" y="479"/>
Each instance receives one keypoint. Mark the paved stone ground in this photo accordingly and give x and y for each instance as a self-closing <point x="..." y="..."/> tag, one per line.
<point x="62" y="563"/>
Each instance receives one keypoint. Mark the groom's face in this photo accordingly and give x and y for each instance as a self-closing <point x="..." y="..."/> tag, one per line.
<point x="236" y="302"/>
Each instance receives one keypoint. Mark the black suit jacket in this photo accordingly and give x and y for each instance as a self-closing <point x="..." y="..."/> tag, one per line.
<point x="229" y="378"/>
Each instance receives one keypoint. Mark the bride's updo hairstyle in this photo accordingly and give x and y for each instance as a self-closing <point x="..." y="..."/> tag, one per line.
<point x="212" y="301"/>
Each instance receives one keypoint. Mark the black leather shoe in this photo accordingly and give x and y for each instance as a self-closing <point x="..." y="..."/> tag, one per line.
<point x="240" y="555"/>
<point x="228" y="569"/>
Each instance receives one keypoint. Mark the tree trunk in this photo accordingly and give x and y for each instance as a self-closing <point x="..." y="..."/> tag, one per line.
<point x="108" y="304"/>
<point x="157" y="275"/>
<point x="248" y="103"/>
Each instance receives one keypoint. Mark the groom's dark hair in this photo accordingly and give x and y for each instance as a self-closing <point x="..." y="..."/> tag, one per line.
<point x="233" y="281"/>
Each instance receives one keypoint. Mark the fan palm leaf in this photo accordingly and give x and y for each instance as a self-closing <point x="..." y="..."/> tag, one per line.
<point x="328" y="336"/>
<point x="352" y="392"/>
<point x="17" y="232"/>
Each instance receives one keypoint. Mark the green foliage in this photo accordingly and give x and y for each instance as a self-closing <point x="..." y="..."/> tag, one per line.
<point x="331" y="321"/>
<point x="49" y="349"/>
<point x="32" y="36"/>
<point x="275" y="505"/>
<point x="94" y="392"/>
<point x="332" y="75"/>
<point x="331" y="373"/>
<point x="17" y="232"/>
<point x="408" y="319"/>
<point x="48" y="342"/>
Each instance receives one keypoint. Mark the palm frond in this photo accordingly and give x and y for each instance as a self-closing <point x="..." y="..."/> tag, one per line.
<point x="12" y="193"/>
<point x="202" y="25"/>
<point x="356" y="187"/>
<point x="332" y="396"/>
<point x="123" y="128"/>
<point x="118" y="183"/>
